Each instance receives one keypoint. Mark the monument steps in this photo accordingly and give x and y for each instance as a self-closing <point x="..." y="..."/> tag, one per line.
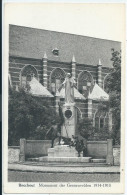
<point x="65" y="159"/>
<point x="98" y="160"/>
<point x="34" y="162"/>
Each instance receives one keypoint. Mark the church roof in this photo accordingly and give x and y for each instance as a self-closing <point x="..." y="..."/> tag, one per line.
<point x="33" y="43"/>
<point x="77" y="95"/>
<point x="98" y="93"/>
<point x="38" y="89"/>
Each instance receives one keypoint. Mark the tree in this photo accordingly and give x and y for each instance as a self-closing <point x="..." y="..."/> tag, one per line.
<point x="26" y="113"/>
<point x="85" y="127"/>
<point x="113" y="87"/>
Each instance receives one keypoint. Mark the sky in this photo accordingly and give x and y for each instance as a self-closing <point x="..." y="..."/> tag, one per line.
<point x="106" y="21"/>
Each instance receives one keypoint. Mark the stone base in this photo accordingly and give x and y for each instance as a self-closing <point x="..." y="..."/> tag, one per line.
<point x="98" y="160"/>
<point x="65" y="159"/>
<point x="63" y="151"/>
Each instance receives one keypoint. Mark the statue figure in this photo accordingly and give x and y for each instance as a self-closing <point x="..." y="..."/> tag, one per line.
<point x="69" y="88"/>
<point x="54" y="132"/>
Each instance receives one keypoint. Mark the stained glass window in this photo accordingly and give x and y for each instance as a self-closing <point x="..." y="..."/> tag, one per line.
<point x="27" y="74"/>
<point x="57" y="78"/>
<point x="85" y="83"/>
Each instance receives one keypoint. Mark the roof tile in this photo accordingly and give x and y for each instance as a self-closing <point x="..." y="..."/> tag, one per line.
<point x="33" y="43"/>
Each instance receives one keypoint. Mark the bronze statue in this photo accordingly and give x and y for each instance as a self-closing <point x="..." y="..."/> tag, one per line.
<point x="54" y="133"/>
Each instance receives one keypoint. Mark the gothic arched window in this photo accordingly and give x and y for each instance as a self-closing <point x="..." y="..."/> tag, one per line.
<point x="85" y="83"/>
<point x="57" y="77"/>
<point x="101" y="120"/>
<point x="27" y="73"/>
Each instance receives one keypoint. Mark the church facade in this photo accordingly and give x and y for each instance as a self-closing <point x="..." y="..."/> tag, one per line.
<point x="42" y="58"/>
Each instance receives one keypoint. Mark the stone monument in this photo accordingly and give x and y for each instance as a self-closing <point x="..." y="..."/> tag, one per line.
<point x="69" y="110"/>
<point x="66" y="153"/>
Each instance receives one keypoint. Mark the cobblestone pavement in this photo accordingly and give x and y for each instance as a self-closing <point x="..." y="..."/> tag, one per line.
<point x="21" y="167"/>
<point x="18" y="176"/>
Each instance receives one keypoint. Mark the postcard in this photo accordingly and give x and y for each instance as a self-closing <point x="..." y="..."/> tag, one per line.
<point x="63" y="98"/>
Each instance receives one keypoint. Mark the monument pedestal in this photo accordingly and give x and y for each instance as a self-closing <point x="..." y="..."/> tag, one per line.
<point x="65" y="154"/>
<point x="62" y="151"/>
<point x="70" y="119"/>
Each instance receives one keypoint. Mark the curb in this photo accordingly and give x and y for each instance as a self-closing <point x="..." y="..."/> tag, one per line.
<point x="41" y="171"/>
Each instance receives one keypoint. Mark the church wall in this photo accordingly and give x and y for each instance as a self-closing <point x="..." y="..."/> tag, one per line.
<point x="17" y="63"/>
<point x="95" y="106"/>
<point x="83" y="67"/>
<point x="53" y="65"/>
<point x="82" y="105"/>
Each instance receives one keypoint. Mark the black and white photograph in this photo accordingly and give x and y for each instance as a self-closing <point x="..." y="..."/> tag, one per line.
<point x="63" y="109"/>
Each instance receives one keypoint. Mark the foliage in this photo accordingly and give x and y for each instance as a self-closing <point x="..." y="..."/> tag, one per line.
<point x="103" y="106"/>
<point x="25" y="114"/>
<point x="102" y="133"/>
<point x="85" y="127"/>
<point x="113" y="87"/>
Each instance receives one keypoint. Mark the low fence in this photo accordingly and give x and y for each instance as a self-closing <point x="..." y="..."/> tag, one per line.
<point x="33" y="148"/>
<point x="38" y="148"/>
<point x="97" y="149"/>
<point x="101" y="149"/>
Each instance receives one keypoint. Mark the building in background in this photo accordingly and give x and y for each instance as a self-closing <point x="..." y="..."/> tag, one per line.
<point x="42" y="58"/>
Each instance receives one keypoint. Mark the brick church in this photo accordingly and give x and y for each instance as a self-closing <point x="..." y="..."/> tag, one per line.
<point x="42" y="58"/>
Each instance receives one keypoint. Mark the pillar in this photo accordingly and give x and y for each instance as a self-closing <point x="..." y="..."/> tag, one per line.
<point x="57" y="100"/>
<point x="22" y="150"/>
<point x="89" y="104"/>
<point x="109" y="158"/>
<point x="99" y="74"/>
<point x="73" y="67"/>
<point x="45" y="81"/>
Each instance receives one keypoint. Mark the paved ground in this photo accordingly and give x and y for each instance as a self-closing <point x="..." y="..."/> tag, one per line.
<point x="20" y="176"/>
<point x="59" y="169"/>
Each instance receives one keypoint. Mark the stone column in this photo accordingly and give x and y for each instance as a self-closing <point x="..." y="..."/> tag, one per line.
<point x="109" y="158"/>
<point x="73" y="67"/>
<point x="45" y="81"/>
<point x="22" y="150"/>
<point x="57" y="99"/>
<point x="99" y="72"/>
<point x="89" y="104"/>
